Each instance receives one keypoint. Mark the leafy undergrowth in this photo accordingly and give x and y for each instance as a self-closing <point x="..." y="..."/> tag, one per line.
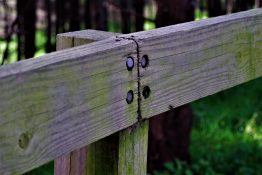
<point x="227" y="134"/>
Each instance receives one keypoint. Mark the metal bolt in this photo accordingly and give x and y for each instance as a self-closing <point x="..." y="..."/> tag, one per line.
<point x="144" y="61"/>
<point x="146" y="92"/>
<point x="130" y="63"/>
<point x="130" y="97"/>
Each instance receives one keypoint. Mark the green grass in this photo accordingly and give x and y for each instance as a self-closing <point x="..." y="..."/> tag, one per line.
<point x="227" y="134"/>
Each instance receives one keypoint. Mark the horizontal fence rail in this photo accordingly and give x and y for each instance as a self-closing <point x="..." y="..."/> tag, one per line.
<point x="68" y="99"/>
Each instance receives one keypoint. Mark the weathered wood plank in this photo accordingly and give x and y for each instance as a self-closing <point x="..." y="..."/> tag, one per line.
<point x="73" y="39"/>
<point x="102" y="157"/>
<point x="77" y="162"/>
<point x="123" y="153"/>
<point x="68" y="99"/>
<point x="63" y="163"/>
<point x="74" y="162"/>
<point x="133" y="144"/>
<point x="63" y="101"/>
<point x="193" y="60"/>
<point x="128" y="148"/>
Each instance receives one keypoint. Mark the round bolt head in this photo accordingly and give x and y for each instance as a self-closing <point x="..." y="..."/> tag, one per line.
<point x="130" y="97"/>
<point x="130" y="63"/>
<point x="146" y="92"/>
<point x="144" y="61"/>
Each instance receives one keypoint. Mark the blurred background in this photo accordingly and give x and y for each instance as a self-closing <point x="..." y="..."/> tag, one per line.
<point x="221" y="134"/>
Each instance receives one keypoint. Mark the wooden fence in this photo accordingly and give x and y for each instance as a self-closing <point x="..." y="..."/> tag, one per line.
<point x="86" y="95"/>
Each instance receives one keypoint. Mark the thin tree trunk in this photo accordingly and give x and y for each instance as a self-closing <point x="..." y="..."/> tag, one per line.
<point x="87" y="15"/>
<point x="139" y="11"/>
<point x="5" y="17"/>
<point x="26" y="9"/>
<point x="215" y="8"/>
<point x="126" y="17"/>
<point x="99" y="15"/>
<point x="242" y="5"/>
<point x="60" y="16"/>
<point x="229" y="4"/>
<point x="48" y="46"/>
<point x="174" y="12"/>
<point x="19" y="8"/>
<point x="169" y="133"/>
<point x="75" y="15"/>
<point x="30" y="28"/>
<point x="6" y="32"/>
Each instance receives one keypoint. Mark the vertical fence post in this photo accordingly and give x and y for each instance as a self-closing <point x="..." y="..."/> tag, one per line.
<point x="123" y="153"/>
<point x="133" y="143"/>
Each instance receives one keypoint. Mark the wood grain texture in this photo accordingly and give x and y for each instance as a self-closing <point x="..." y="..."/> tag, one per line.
<point x="78" y="38"/>
<point x="62" y="165"/>
<point x="63" y="101"/>
<point x="83" y="161"/>
<point x="133" y="144"/>
<point x="122" y="153"/>
<point x="102" y="157"/>
<point x="74" y="162"/>
<point x="69" y="99"/>
<point x="193" y="60"/>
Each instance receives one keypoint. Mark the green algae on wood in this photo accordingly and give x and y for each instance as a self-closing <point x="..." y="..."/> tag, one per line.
<point x="196" y="65"/>
<point x="133" y="143"/>
<point x="61" y="104"/>
<point x="102" y="156"/>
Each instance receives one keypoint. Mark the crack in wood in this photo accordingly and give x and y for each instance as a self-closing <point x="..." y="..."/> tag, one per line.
<point x="139" y="96"/>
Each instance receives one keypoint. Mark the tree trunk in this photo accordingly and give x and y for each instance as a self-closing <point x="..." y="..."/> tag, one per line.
<point x="60" y="16"/>
<point x="6" y="19"/>
<point x="169" y="137"/>
<point x="215" y="8"/>
<point x="26" y="10"/>
<point x="126" y="16"/>
<point x="174" y="12"/>
<point x="20" y="25"/>
<point x="139" y="11"/>
<point x="169" y="133"/>
<point x="48" y="45"/>
<point x="242" y="5"/>
<point x="6" y="32"/>
<point x="87" y="15"/>
<point x="229" y="4"/>
<point x="75" y="15"/>
<point x="98" y="15"/>
<point x="30" y="28"/>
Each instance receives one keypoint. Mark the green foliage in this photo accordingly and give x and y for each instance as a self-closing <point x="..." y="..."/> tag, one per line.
<point x="47" y="169"/>
<point x="12" y="56"/>
<point x="40" y="43"/>
<point x="149" y="25"/>
<point x="200" y="14"/>
<point x="227" y="134"/>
